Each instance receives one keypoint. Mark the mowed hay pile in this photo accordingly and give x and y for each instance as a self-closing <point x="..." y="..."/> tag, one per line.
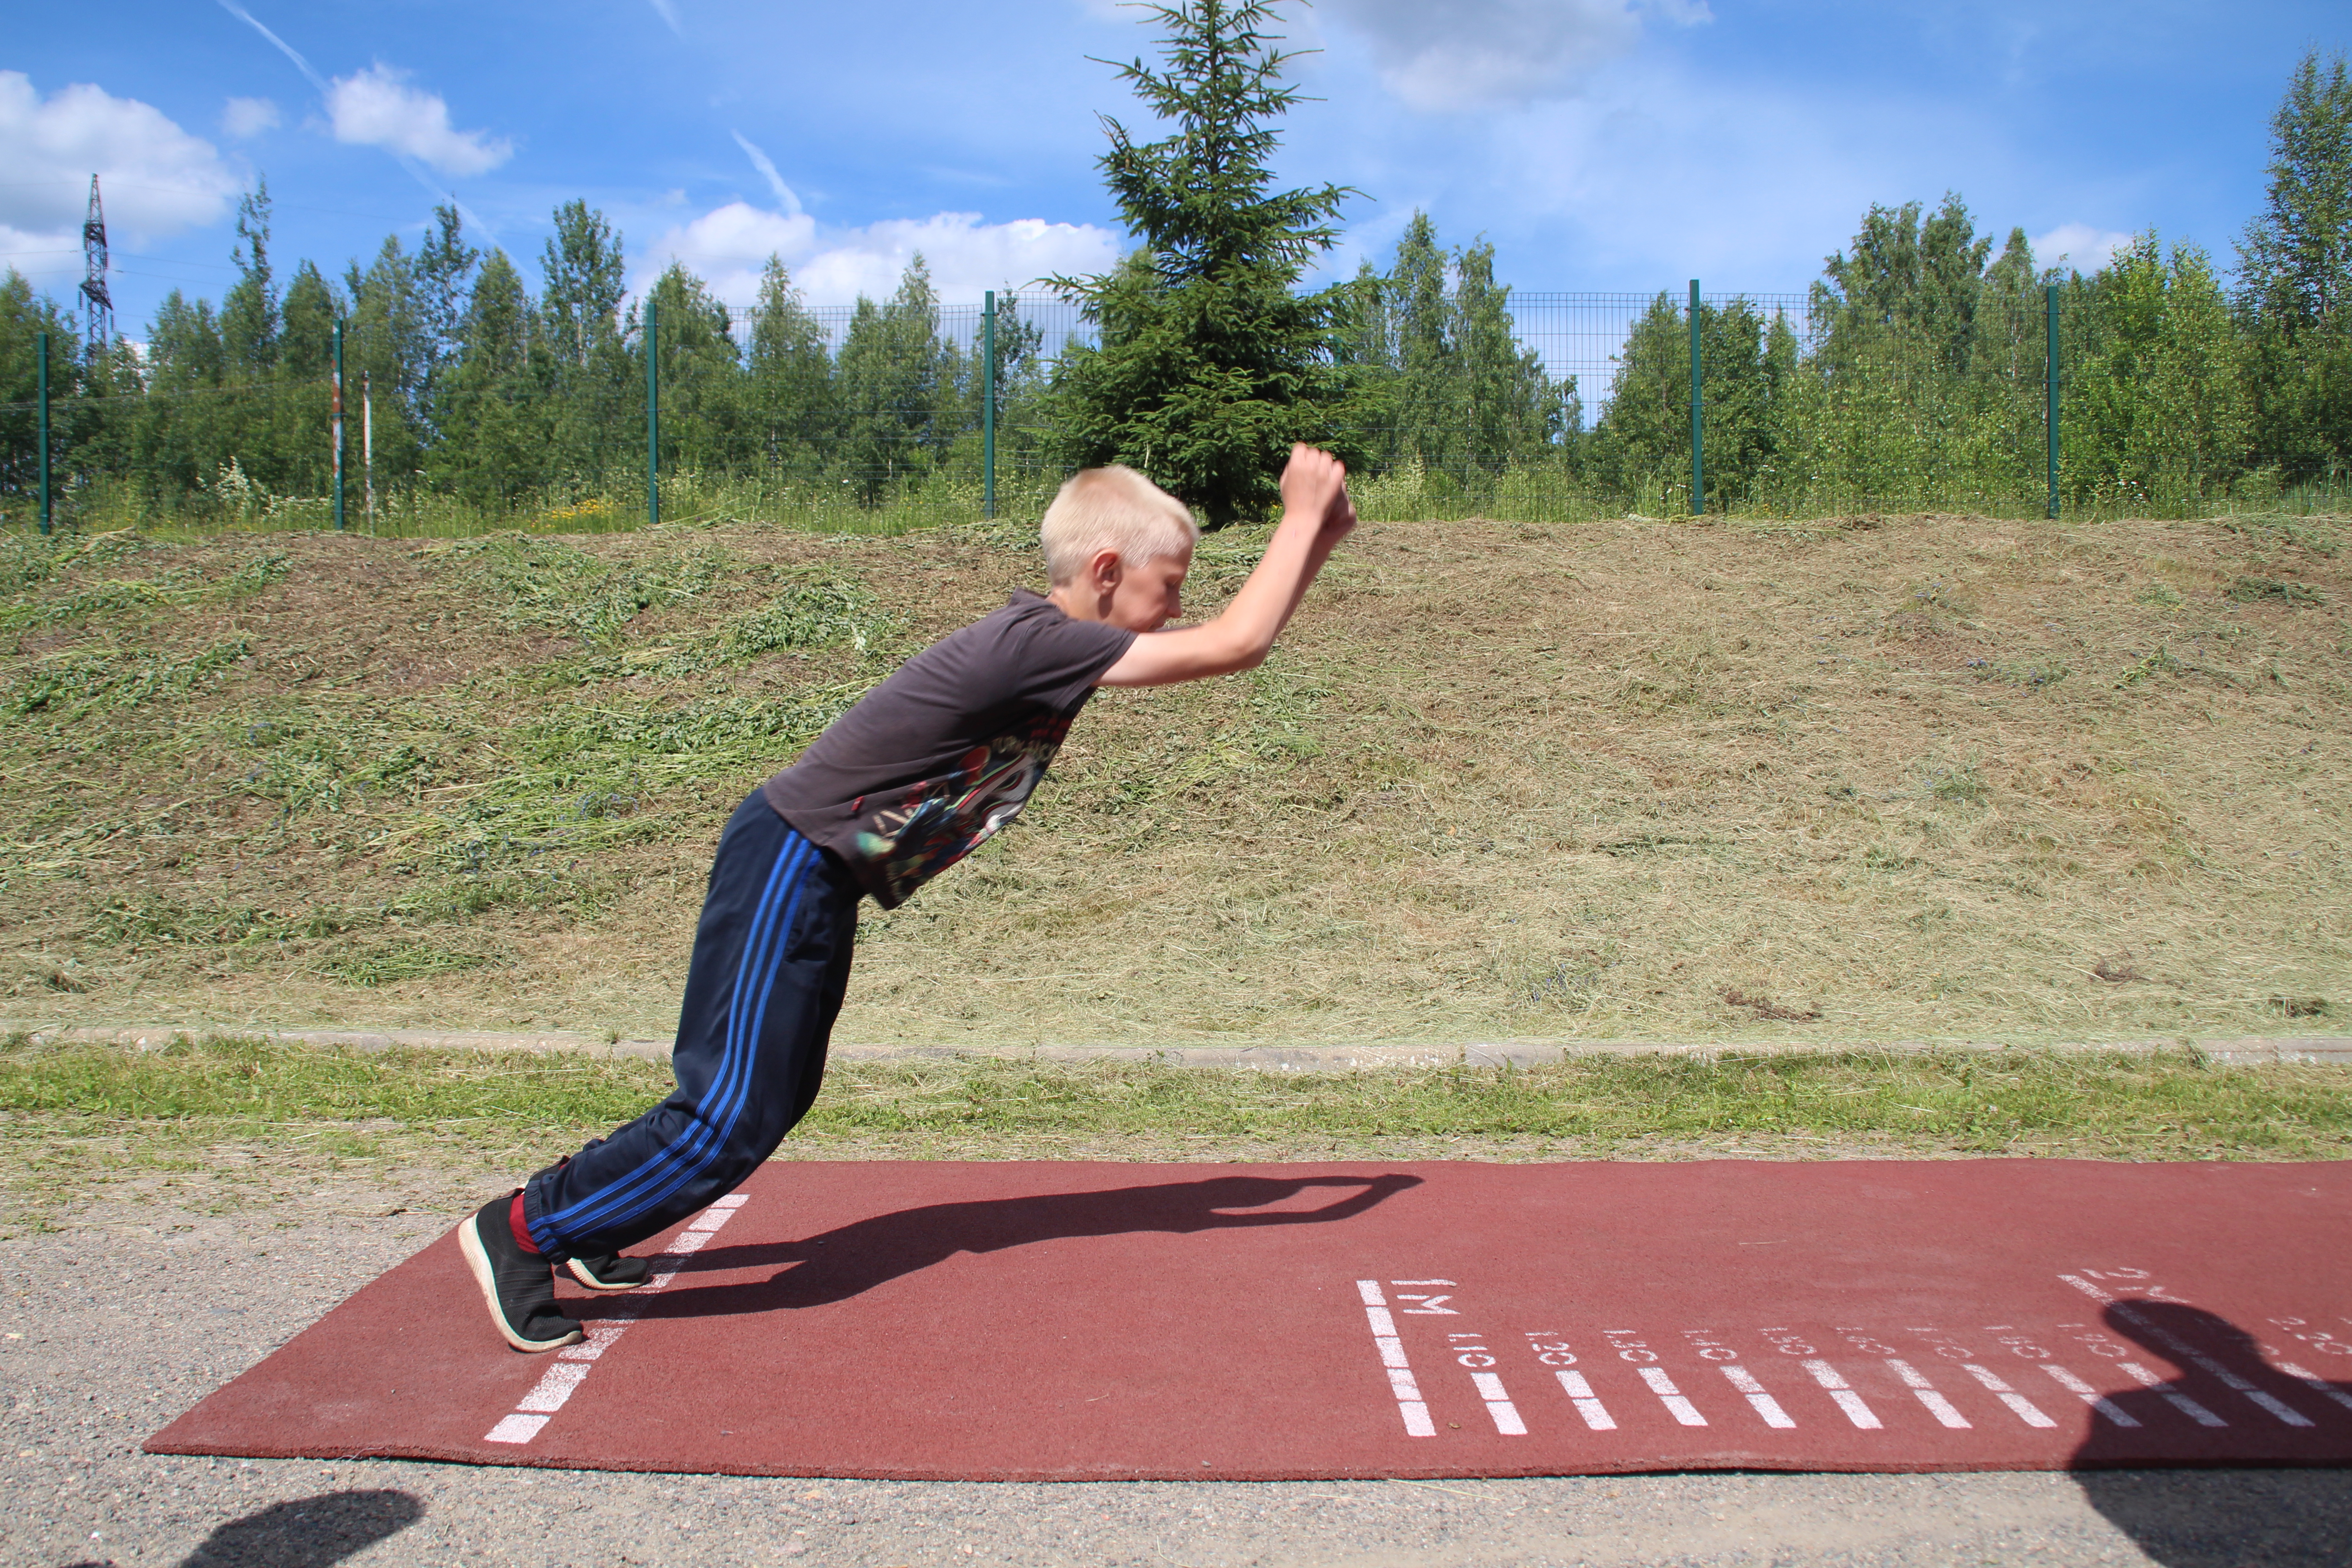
<point x="1907" y="778"/>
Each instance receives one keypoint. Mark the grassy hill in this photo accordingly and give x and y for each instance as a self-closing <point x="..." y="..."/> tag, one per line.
<point x="1859" y="780"/>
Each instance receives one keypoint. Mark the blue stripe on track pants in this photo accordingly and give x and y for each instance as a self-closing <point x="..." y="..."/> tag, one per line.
<point x="771" y="964"/>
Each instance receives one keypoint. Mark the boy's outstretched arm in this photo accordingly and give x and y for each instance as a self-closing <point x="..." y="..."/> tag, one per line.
<point x="1316" y="515"/>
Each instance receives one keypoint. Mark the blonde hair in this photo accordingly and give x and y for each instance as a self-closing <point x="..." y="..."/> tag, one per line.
<point x="1112" y="508"/>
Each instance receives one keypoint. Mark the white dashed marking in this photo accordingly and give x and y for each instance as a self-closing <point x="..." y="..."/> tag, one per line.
<point x="1680" y="1408"/>
<point x="1937" y="1405"/>
<point x="1596" y="1414"/>
<point x="1506" y="1415"/>
<point x="564" y="1375"/>
<point x="2170" y="1395"/>
<point x="2027" y="1411"/>
<point x="2316" y="1384"/>
<point x="2089" y="1396"/>
<point x="1856" y="1411"/>
<point x="1766" y="1405"/>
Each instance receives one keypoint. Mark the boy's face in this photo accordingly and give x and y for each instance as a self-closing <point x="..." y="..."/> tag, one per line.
<point x="1148" y="597"/>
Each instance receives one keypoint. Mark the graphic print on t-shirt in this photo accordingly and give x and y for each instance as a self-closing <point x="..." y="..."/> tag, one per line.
<point x="932" y="825"/>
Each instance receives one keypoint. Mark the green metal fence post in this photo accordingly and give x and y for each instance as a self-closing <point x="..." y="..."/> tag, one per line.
<point x="653" y="417"/>
<point x="988" y="405"/>
<point x="338" y="427"/>
<point x="1699" y="472"/>
<point x="2050" y="401"/>
<point x="45" y="431"/>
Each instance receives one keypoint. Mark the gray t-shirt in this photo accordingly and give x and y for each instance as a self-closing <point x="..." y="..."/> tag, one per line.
<point x="936" y="758"/>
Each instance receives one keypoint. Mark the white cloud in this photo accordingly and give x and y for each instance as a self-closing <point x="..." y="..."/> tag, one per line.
<point x="2078" y="245"/>
<point x="1485" y="54"/>
<point x="727" y="246"/>
<point x="667" y="12"/>
<point x="376" y="108"/>
<point x="244" y="117"/>
<point x="156" y="178"/>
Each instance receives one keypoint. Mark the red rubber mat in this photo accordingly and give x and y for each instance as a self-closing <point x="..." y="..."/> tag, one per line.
<point x="1091" y="1322"/>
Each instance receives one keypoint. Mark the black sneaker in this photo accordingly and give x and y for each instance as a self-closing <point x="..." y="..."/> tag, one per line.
<point x="608" y="1271"/>
<point x="516" y="1284"/>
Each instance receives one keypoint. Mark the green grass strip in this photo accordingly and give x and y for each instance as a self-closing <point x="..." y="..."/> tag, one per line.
<point x="2162" y="1105"/>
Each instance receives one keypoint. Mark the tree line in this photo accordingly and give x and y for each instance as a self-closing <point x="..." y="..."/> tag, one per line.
<point x="482" y="390"/>
<point x="1914" y="372"/>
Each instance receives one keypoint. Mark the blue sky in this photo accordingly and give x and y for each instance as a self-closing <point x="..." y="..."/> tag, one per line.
<point x="1600" y="145"/>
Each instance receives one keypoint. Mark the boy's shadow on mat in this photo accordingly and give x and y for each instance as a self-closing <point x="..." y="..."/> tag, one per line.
<point x="2224" y="1389"/>
<point x="855" y="1257"/>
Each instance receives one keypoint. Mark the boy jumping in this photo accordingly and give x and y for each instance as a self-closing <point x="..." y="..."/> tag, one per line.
<point x="913" y="778"/>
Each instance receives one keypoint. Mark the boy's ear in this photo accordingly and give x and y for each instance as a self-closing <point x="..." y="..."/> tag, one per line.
<point x="1105" y="569"/>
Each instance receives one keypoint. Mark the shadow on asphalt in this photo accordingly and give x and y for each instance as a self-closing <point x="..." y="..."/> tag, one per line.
<point x="857" y="1257"/>
<point x="2219" y="1518"/>
<point x="308" y="1533"/>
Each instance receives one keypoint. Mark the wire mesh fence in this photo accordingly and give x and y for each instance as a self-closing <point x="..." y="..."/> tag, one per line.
<point x="1544" y="407"/>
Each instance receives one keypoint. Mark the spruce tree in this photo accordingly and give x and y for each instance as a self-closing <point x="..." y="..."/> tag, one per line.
<point x="895" y="377"/>
<point x="597" y="395"/>
<point x="248" y="313"/>
<point x="182" y="440"/>
<point x="791" y="394"/>
<point x="384" y="341"/>
<point x="1512" y="411"/>
<point x="1211" y="363"/>
<point x="1642" y="444"/>
<point x="1428" y="403"/>
<point x="581" y="266"/>
<point x="702" y="374"/>
<point x="24" y="316"/>
<point x="2294" y="277"/>
<point x="306" y="340"/>
<point x="297" y="458"/>
<point x="444" y="273"/>
<point x="493" y="448"/>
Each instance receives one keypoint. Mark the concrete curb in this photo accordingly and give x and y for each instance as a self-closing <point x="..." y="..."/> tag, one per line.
<point x="2248" y="1050"/>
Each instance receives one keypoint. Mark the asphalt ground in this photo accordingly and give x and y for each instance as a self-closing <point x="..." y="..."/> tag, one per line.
<point x="131" y="1308"/>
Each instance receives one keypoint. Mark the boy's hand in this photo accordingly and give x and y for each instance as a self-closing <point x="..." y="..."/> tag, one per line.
<point x="1315" y="489"/>
<point x="1340" y="519"/>
<point x="1316" y="515"/>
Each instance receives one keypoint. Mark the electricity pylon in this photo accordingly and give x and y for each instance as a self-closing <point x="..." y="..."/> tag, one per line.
<point x="93" y="283"/>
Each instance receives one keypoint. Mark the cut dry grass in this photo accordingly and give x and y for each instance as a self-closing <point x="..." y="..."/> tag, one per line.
<point x="1867" y="780"/>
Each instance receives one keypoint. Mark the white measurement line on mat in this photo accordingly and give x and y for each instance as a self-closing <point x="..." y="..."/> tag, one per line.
<point x="1680" y="1408"/>
<point x="569" y="1370"/>
<point x="2170" y="1395"/>
<point x="1941" y="1408"/>
<point x="2185" y="1351"/>
<point x="1579" y="1393"/>
<point x="1766" y="1405"/>
<point x="2316" y="1384"/>
<point x="1860" y="1414"/>
<point x="2027" y="1411"/>
<point x="1506" y="1415"/>
<point x="1409" y="1403"/>
<point x="2089" y="1396"/>
<point x="1472" y="1353"/>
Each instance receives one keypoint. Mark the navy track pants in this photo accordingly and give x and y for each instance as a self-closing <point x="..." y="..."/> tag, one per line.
<point x="771" y="964"/>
